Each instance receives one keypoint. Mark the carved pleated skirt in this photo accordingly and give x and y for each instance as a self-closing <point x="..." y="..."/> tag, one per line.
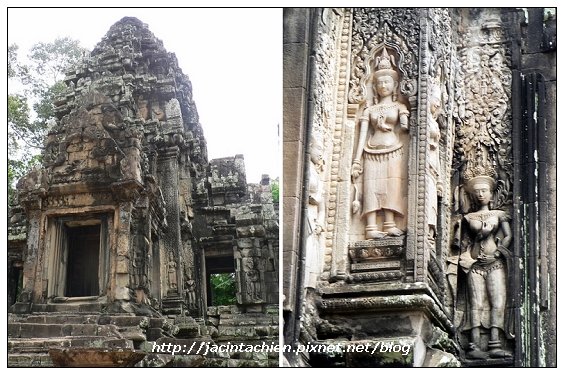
<point x="383" y="179"/>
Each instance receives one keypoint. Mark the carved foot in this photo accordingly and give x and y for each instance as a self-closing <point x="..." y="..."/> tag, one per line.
<point x="372" y="234"/>
<point x="496" y="351"/>
<point x="394" y="231"/>
<point x="499" y="353"/>
<point x="390" y="228"/>
<point x="475" y="353"/>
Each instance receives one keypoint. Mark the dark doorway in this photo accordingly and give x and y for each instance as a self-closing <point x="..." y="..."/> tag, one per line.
<point x="15" y="282"/>
<point x="83" y="261"/>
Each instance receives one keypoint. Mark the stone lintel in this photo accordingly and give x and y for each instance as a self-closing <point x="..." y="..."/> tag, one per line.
<point x="78" y="187"/>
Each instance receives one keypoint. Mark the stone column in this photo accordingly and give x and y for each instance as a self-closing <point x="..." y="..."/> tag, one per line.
<point x="121" y="270"/>
<point x="171" y="244"/>
<point x="32" y="268"/>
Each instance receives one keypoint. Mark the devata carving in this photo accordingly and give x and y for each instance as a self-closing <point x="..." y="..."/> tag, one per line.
<point x="172" y="284"/>
<point x="252" y="275"/>
<point x="382" y="151"/>
<point x="482" y="158"/>
<point x="484" y="258"/>
<point x="190" y="293"/>
<point x="434" y="176"/>
<point x="316" y="212"/>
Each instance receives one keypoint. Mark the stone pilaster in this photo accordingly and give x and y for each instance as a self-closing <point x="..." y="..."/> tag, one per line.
<point x="171" y="244"/>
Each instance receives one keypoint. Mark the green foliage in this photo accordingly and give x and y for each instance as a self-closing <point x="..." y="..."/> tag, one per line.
<point x="223" y="289"/>
<point x="12" y="60"/>
<point x="48" y="63"/>
<point x="39" y="82"/>
<point x="19" y="161"/>
<point x="275" y="189"/>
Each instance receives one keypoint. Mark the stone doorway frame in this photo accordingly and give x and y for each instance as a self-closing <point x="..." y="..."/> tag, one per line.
<point x="57" y="252"/>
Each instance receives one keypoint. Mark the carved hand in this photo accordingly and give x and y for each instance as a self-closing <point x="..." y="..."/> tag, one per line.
<point x="356" y="169"/>
<point x="439" y="188"/>
<point x="482" y="258"/>
<point x="382" y="125"/>
<point x="487" y="228"/>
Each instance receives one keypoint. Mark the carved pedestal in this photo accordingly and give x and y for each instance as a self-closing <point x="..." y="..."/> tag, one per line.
<point x="376" y="260"/>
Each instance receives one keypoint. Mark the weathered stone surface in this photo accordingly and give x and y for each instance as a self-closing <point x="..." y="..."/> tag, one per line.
<point x="82" y="357"/>
<point x="116" y="234"/>
<point x="295" y="25"/>
<point x="294" y="55"/>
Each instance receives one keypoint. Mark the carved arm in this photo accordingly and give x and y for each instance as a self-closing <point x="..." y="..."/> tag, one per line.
<point x="404" y="116"/>
<point x="356" y="168"/>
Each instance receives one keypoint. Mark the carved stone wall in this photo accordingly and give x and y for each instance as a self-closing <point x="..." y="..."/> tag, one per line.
<point x="483" y="147"/>
<point x="469" y="92"/>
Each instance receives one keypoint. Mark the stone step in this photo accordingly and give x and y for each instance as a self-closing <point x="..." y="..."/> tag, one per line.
<point x="125" y="321"/>
<point x="26" y="345"/>
<point x="76" y="308"/>
<point x="159" y="323"/>
<point x="30" y="360"/>
<point x="58" y="319"/>
<point x="38" y="330"/>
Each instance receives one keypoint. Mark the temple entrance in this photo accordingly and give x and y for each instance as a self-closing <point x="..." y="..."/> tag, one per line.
<point x="79" y="257"/>
<point x="82" y="263"/>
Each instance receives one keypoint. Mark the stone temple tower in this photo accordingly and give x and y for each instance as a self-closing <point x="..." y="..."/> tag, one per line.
<point x="127" y="216"/>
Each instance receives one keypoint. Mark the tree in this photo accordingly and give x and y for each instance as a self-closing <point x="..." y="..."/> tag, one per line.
<point x="275" y="189"/>
<point x="33" y="85"/>
<point x="223" y="289"/>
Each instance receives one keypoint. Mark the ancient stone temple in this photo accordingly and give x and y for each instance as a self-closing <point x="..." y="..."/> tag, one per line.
<point x="420" y="210"/>
<point x="117" y="236"/>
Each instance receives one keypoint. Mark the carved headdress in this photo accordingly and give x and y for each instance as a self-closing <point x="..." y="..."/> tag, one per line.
<point x="384" y="66"/>
<point x="480" y="175"/>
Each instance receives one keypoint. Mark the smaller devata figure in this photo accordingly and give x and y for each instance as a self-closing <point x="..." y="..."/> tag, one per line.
<point x="171" y="265"/>
<point x="315" y="213"/>
<point x="485" y="258"/>
<point x="380" y="152"/>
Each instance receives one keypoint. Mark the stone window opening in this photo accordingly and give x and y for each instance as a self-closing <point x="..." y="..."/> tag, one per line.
<point x="78" y="257"/>
<point x="221" y="288"/>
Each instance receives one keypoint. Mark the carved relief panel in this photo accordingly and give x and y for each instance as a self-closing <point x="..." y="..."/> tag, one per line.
<point x="480" y="268"/>
<point x="381" y="117"/>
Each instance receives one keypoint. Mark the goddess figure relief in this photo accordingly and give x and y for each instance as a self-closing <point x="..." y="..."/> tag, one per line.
<point x="485" y="259"/>
<point x="379" y="154"/>
<point x="171" y="265"/>
<point x="316" y="213"/>
<point x="252" y="276"/>
<point x="433" y="177"/>
<point x="190" y="293"/>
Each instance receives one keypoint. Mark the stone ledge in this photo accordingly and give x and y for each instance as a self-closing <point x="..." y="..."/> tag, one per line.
<point x="405" y="302"/>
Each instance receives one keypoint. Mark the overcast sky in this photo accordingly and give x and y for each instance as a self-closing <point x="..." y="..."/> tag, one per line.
<point x="232" y="56"/>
